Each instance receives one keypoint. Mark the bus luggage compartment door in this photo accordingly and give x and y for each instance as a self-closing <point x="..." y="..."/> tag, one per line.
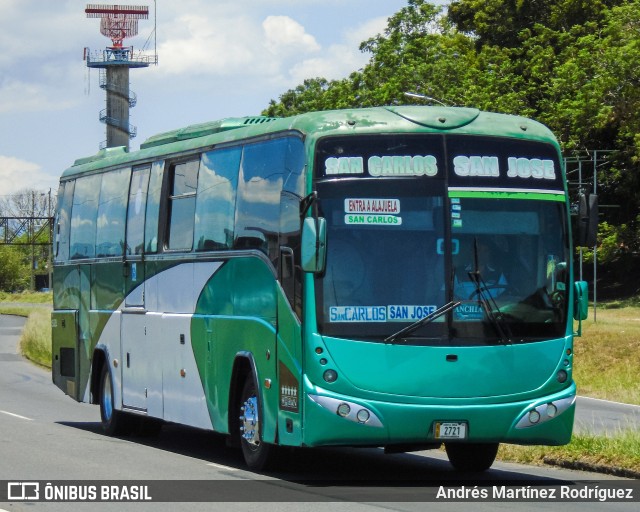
<point x="64" y="357"/>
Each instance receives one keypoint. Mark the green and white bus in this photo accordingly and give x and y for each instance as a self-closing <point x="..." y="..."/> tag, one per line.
<point x="396" y="277"/>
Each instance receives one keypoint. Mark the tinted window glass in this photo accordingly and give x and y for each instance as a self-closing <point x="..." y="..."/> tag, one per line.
<point x="136" y="212"/>
<point x="182" y="204"/>
<point x="216" y="202"/>
<point x="153" y="207"/>
<point x="385" y="258"/>
<point x="295" y="164"/>
<point x="63" y="220"/>
<point x="262" y="175"/>
<point x="83" y="217"/>
<point x="112" y="213"/>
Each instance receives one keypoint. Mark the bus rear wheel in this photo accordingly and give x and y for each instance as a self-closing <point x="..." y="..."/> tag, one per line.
<point x="114" y="422"/>
<point x="257" y="454"/>
<point x="471" y="456"/>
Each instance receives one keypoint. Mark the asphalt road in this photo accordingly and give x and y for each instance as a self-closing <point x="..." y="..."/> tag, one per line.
<point x="47" y="437"/>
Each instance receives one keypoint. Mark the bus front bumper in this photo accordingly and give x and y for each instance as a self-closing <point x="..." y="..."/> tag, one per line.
<point x="334" y="420"/>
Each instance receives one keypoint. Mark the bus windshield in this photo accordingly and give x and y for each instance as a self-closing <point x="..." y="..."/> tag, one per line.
<point x="399" y="248"/>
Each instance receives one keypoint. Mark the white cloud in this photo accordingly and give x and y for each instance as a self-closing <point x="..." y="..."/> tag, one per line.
<point x="212" y="45"/>
<point x="205" y="46"/>
<point x="339" y="60"/>
<point x="17" y="175"/>
<point x="18" y="96"/>
<point x="285" y="35"/>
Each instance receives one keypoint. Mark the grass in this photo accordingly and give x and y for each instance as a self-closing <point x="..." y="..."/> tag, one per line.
<point x="35" y="342"/>
<point x="607" y="357"/>
<point x="618" y="455"/>
<point x="26" y="297"/>
<point x="606" y="363"/>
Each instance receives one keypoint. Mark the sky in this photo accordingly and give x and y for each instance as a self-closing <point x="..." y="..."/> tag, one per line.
<point x="216" y="59"/>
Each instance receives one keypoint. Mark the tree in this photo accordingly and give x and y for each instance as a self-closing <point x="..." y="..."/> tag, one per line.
<point x="14" y="270"/>
<point x="29" y="239"/>
<point x="27" y="203"/>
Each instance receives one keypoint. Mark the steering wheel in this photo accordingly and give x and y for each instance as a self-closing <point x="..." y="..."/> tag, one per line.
<point x="557" y="298"/>
<point x="486" y="288"/>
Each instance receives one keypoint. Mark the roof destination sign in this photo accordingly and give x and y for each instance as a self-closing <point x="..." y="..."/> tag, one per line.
<point x="397" y="165"/>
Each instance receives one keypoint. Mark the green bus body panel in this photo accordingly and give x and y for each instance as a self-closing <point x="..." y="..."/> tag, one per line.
<point x="410" y="423"/>
<point x="236" y="314"/>
<point x="107" y="285"/>
<point x="493" y="371"/>
<point x="290" y="363"/>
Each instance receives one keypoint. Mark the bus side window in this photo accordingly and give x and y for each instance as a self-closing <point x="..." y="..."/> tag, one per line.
<point x="182" y="205"/>
<point x="84" y="215"/>
<point x="112" y="208"/>
<point x="63" y="220"/>
<point x="289" y="271"/>
<point x="258" y="204"/>
<point x="216" y="199"/>
<point x="136" y="210"/>
<point x="153" y="207"/>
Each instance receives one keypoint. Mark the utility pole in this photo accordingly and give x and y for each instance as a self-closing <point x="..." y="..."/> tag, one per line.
<point x="33" y="247"/>
<point x="50" y="248"/>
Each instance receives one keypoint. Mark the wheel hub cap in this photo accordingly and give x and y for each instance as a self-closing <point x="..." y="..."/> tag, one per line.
<point x="249" y="421"/>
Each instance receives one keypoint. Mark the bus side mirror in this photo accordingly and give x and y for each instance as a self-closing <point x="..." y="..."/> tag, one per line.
<point x="588" y="220"/>
<point x="580" y="300"/>
<point x="314" y="244"/>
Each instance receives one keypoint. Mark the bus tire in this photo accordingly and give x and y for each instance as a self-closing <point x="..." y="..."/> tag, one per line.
<point x="257" y="454"/>
<point x="114" y="422"/>
<point x="471" y="456"/>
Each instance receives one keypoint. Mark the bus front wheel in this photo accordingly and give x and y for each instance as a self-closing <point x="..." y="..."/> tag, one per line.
<point x="471" y="456"/>
<point x="114" y="422"/>
<point x="257" y="454"/>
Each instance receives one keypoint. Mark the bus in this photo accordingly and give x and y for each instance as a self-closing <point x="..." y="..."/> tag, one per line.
<point x="396" y="277"/>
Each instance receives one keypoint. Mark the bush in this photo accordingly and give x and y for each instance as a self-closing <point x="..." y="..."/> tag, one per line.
<point x="610" y="243"/>
<point x="14" y="272"/>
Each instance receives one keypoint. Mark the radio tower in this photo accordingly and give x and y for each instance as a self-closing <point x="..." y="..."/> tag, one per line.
<point x="117" y="22"/>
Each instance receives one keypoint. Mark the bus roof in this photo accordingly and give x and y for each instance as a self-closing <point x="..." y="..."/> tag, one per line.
<point x="313" y="125"/>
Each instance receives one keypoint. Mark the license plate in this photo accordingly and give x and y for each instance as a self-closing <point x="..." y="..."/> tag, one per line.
<point x="451" y="430"/>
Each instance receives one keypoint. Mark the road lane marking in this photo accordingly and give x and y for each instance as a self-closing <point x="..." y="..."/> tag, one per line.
<point x="607" y="401"/>
<point x="16" y="415"/>
<point x="220" y="466"/>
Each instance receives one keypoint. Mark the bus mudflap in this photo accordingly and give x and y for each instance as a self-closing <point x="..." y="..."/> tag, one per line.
<point x="64" y="356"/>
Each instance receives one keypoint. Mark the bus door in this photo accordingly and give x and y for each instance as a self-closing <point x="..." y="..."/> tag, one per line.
<point x="135" y="344"/>
<point x="289" y="331"/>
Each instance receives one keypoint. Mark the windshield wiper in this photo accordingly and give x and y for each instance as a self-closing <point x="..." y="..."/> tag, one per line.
<point x="419" y="323"/>
<point x="487" y="301"/>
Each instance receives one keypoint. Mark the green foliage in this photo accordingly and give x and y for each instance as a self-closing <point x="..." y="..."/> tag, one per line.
<point x="14" y="270"/>
<point x="611" y="243"/>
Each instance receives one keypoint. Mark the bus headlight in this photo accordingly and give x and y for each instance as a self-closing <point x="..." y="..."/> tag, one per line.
<point x="347" y="410"/>
<point x="534" y="416"/>
<point x="363" y="415"/>
<point x="544" y="412"/>
<point x="561" y="376"/>
<point x="343" y="410"/>
<point x="330" y="376"/>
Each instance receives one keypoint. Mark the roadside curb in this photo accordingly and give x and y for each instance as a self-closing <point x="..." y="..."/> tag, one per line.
<point x="594" y="468"/>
